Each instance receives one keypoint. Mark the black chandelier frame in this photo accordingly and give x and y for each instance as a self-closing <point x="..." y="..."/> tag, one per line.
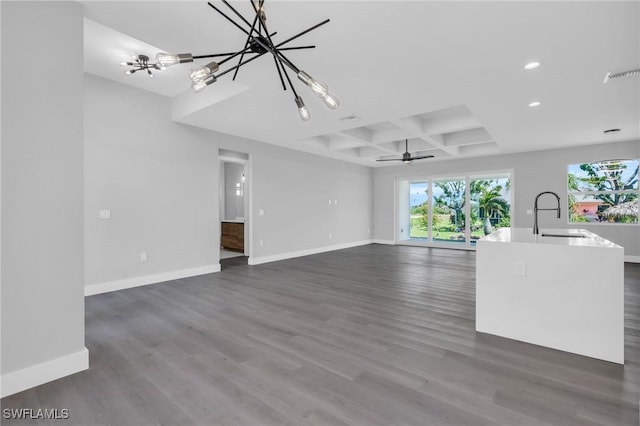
<point x="141" y="64"/>
<point x="259" y="42"/>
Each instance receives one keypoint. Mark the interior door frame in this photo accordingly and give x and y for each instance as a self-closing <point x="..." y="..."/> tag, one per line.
<point x="248" y="198"/>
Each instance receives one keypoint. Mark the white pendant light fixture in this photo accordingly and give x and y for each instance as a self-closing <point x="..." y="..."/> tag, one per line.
<point x="258" y="42"/>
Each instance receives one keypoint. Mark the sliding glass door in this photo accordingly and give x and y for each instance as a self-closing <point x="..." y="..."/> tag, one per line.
<point x="448" y="219"/>
<point x="419" y="210"/>
<point x="490" y="205"/>
<point x="454" y="211"/>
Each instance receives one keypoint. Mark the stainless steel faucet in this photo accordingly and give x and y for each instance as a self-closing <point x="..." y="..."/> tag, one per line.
<point x="535" y="210"/>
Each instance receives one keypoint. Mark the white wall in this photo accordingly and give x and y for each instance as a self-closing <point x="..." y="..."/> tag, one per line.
<point x="533" y="172"/>
<point x="42" y="194"/>
<point x="234" y="204"/>
<point x="294" y="188"/>
<point x="160" y="180"/>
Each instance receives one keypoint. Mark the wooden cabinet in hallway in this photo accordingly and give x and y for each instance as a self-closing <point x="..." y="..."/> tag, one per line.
<point x="232" y="235"/>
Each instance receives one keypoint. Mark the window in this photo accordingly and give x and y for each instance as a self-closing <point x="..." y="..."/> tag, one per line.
<point x="603" y="192"/>
<point x="453" y="211"/>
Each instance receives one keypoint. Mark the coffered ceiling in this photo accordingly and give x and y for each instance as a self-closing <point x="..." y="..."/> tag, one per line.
<point x="447" y="76"/>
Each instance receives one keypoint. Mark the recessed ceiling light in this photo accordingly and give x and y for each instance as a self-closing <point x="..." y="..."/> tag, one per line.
<point x="609" y="131"/>
<point x="532" y="65"/>
<point x="350" y="118"/>
<point x="534" y="104"/>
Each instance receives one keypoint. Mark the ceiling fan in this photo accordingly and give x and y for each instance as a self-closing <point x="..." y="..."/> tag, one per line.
<point x="406" y="157"/>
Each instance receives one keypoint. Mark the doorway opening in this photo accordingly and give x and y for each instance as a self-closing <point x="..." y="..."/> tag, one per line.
<point x="234" y="199"/>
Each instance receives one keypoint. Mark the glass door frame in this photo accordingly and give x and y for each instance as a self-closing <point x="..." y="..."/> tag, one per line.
<point x="467" y="177"/>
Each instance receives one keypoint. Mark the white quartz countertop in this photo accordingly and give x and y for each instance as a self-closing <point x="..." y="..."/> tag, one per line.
<point x="232" y="221"/>
<point x="525" y="235"/>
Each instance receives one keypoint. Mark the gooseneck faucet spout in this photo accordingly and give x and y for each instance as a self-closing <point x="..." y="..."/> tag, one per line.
<point x="536" y="231"/>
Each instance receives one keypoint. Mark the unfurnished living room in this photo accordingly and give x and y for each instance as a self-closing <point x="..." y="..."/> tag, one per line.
<point x="250" y="212"/>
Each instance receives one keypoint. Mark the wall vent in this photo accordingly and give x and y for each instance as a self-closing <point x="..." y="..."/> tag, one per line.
<point x="621" y="74"/>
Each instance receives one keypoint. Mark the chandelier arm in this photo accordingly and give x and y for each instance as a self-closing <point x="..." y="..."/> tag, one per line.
<point x="274" y="51"/>
<point x="229" y="19"/>
<point x="239" y="62"/>
<point x="240" y="52"/>
<point x="239" y="65"/>
<point x="295" y="48"/>
<point x="302" y="33"/>
<point x="213" y="55"/>
<point x="262" y="25"/>
<point x="277" y="63"/>
<point x="236" y="12"/>
<point x="246" y="45"/>
<point x="258" y="14"/>
<point x="288" y="62"/>
<point x="276" y="60"/>
<point x="233" y="55"/>
<point x="286" y="74"/>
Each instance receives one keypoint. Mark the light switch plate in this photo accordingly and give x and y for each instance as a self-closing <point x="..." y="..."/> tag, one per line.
<point x="261" y="212"/>
<point x="105" y="214"/>
<point x="519" y="267"/>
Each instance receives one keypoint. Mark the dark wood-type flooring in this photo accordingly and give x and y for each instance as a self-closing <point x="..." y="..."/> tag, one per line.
<point x="374" y="335"/>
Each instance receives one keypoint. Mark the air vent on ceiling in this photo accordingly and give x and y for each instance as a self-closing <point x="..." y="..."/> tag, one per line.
<point x="621" y="74"/>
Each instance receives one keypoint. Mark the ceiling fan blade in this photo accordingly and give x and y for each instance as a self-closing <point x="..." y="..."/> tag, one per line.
<point x="390" y="159"/>
<point x="421" y="157"/>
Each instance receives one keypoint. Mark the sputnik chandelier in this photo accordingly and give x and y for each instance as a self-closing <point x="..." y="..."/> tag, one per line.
<point x="259" y="42"/>
<point x="141" y="64"/>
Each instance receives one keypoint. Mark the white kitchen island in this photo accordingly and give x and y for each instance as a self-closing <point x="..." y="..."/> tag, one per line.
<point x="565" y="291"/>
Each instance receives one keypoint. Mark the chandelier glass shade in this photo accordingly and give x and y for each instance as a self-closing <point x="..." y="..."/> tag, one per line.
<point x="258" y="43"/>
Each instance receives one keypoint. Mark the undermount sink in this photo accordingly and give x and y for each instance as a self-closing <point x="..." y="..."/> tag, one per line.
<point x="564" y="235"/>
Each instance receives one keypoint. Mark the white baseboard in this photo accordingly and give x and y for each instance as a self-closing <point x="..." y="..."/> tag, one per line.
<point x="300" y="253"/>
<point x="38" y="374"/>
<point x="632" y="259"/>
<point x="92" y="289"/>
<point x="387" y="242"/>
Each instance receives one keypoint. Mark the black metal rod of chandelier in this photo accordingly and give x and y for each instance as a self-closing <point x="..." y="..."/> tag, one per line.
<point x="258" y="43"/>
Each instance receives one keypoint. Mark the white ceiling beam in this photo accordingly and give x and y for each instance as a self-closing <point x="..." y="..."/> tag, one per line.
<point x="361" y="133"/>
<point x="438" y="126"/>
<point x="438" y="142"/>
<point x="373" y="151"/>
<point x="467" y="137"/>
<point x="318" y="142"/>
<point x="339" y="142"/>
